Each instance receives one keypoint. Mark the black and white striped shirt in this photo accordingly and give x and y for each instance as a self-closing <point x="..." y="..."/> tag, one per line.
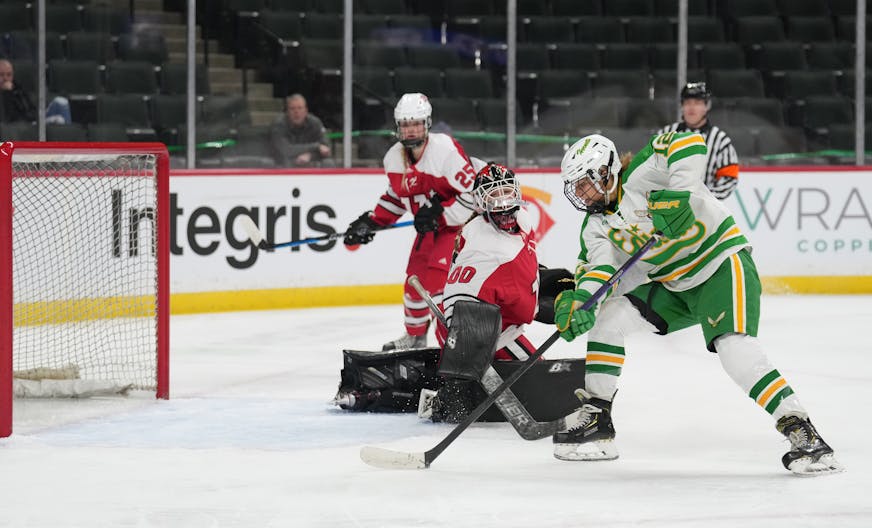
<point x="722" y="163"/>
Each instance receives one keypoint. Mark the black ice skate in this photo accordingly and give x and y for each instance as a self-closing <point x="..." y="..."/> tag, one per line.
<point x="590" y="434"/>
<point x="406" y="342"/>
<point x="810" y="455"/>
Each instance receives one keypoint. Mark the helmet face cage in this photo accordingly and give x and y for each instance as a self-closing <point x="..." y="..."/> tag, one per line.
<point x="412" y="108"/>
<point x="595" y="197"/>
<point x="497" y="196"/>
<point x="590" y="173"/>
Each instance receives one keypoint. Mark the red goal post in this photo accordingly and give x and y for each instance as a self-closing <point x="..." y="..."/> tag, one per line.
<point x="84" y="270"/>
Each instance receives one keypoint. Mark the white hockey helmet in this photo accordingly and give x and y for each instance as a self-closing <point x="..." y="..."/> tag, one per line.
<point x="497" y="196"/>
<point x="413" y="107"/>
<point x="593" y="158"/>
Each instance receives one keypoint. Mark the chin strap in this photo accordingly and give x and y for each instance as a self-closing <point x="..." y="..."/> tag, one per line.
<point x="412" y="143"/>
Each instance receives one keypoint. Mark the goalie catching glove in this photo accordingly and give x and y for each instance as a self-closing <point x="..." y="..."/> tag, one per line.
<point x="361" y="231"/>
<point x="571" y="321"/>
<point x="551" y="283"/>
<point x="671" y="212"/>
<point x="427" y="217"/>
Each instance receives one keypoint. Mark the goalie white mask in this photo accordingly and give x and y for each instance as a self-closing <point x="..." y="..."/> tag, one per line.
<point x="413" y="109"/>
<point x="497" y="196"/>
<point x="590" y="171"/>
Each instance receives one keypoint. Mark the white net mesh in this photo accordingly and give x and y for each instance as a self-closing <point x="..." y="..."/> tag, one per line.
<point x="84" y="267"/>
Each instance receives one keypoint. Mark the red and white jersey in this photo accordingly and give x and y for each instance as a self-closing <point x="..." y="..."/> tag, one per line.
<point x="497" y="267"/>
<point x="444" y="169"/>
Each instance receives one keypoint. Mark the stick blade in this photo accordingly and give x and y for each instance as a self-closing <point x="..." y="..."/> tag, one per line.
<point x="250" y="229"/>
<point x="389" y="459"/>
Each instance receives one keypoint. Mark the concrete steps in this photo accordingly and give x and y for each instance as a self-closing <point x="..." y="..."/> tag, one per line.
<point x="265" y="104"/>
<point x="259" y="117"/>
<point x="169" y="30"/>
<point x="255" y="90"/>
<point x="216" y="60"/>
<point x="224" y="77"/>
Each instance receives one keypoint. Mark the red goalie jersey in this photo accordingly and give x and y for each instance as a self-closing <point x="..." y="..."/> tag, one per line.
<point x="501" y="268"/>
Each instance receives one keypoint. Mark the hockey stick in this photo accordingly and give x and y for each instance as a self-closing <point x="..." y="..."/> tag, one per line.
<point x="508" y="404"/>
<point x="390" y="459"/>
<point x="260" y="241"/>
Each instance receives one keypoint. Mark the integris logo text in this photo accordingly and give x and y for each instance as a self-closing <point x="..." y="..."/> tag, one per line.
<point x="203" y="230"/>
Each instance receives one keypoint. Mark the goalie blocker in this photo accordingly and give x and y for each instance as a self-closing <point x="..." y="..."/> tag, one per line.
<point x="471" y="341"/>
<point x="392" y="381"/>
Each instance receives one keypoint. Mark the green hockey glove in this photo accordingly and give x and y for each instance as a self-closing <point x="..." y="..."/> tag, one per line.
<point x="671" y="212"/>
<point x="570" y="320"/>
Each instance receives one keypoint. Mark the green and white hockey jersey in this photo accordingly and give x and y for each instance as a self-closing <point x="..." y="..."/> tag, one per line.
<point x="675" y="160"/>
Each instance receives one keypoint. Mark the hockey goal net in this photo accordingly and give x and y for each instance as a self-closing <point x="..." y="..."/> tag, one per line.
<point x="84" y="269"/>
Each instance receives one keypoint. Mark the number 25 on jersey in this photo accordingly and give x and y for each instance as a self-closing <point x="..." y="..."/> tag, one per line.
<point x="466" y="176"/>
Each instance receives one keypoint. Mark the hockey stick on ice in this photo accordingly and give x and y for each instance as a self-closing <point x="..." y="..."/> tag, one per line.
<point x="390" y="459"/>
<point x="508" y="404"/>
<point x="260" y="241"/>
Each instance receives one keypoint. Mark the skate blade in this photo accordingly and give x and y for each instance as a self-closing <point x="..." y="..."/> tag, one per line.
<point x="588" y="452"/>
<point x="807" y="467"/>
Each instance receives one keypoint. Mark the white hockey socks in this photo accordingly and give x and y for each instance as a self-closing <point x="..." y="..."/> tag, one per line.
<point x="745" y="362"/>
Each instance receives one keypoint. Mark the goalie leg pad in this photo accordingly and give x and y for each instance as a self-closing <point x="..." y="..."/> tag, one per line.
<point x="546" y="391"/>
<point x="471" y="341"/>
<point x="388" y="381"/>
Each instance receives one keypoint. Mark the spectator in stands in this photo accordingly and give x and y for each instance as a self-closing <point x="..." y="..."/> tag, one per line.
<point x="298" y="138"/>
<point x="722" y="162"/>
<point x="16" y="104"/>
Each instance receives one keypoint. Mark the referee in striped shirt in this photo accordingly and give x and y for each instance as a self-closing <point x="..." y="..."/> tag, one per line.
<point x="722" y="163"/>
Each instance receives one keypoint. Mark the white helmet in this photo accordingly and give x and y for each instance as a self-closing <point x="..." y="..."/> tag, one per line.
<point x="413" y="107"/>
<point x="594" y="158"/>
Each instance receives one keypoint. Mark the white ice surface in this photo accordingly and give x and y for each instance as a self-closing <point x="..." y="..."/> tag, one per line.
<point x="249" y="439"/>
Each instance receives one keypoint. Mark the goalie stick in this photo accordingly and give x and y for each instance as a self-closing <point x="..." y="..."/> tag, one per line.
<point x="390" y="459"/>
<point x="508" y="404"/>
<point x="260" y="241"/>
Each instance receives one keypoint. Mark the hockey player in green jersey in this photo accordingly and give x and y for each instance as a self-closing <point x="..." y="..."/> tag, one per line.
<point x="700" y="272"/>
